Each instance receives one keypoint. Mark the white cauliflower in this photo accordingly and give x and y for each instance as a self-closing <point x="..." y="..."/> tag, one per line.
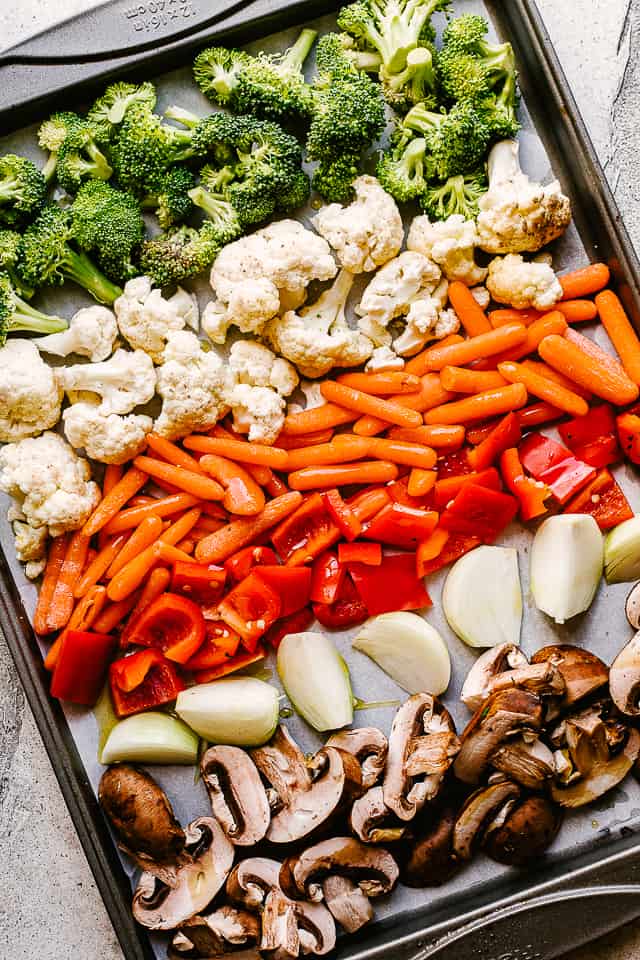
<point x="30" y="544"/>
<point x="450" y="243"/>
<point x="383" y="358"/>
<point x="252" y="304"/>
<point x="427" y="320"/>
<point x="146" y="318"/>
<point x="516" y="214"/>
<point x="366" y="233"/>
<point x="318" y="338"/>
<point x="51" y="483"/>
<point x="193" y="384"/>
<point x="92" y="333"/>
<point x="521" y="285"/>
<point x="481" y="296"/>
<point x="312" y="394"/>
<point x="253" y="363"/>
<point x="109" y="438"/>
<point x="392" y="290"/>
<point x="125" y="381"/>
<point x="30" y="395"/>
<point x="257" y="411"/>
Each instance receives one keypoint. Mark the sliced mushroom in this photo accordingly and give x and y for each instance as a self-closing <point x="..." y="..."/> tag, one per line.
<point x="422" y="745"/>
<point x="369" y="746"/>
<point x="481" y="808"/>
<point x="624" y="678"/>
<point x="251" y="880"/>
<point x="143" y="820"/>
<point x="499" y="659"/>
<point x="280" y="939"/>
<point x="504" y="715"/>
<point x="372" y="821"/>
<point x="430" y="862"/>
<point x="372" y="868"/>
<point x="524" y="832"/>
<point x="238" y="798"/>
<point x="348" y="905"/>
<point x="308" y="794"/>
<point x="530" y="764"/>
<point x="160" y="907"/>
<point x="632" y="607"/>
<point x="583" y="673"/>
<point x="224" y="931"/>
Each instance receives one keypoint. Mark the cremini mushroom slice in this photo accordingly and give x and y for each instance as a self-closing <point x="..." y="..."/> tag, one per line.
<point x="160" y="907"/>
<point x="529" y="763"/>
<point x="348" y="905"/>
<point x="238" y="798"/>
<point x="373" y="868"/>
<point x="632" y="607"/>
<point x="223" y="931"/>
<point x="624" y="678"/>
<point x="369" y="746"/>
<point x="251" y="880"/>
<point x="523" y="831"/>
<point x="290" y="928"/>
<point x="503" y="716"/>
<point x="480" y="809"/>
<point x="582" y="671"/>
<point x="422" y="745"/>
<point x="372" y="821"/>
<point x="430" y="861"/>
<point x="494" y="661"/>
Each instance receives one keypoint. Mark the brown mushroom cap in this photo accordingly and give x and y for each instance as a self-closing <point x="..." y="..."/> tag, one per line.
<point x="599" y="770"/>
<point x="222" y="931"/>
<point x="528" y="829"/>
<point x="372" y="821"/>
<point x="372" y="868"/>
<point x="480" y="809"/>
<point x="624" y="678"/>
<point x="251" y="880"/>
<point x="238" y="798"/>
<point x="369" y="746"/>
<point x="430" y="862"/>
<point x="290" y="928"/>
<point x="582" y="671"/>
<point x="494" y="661"/>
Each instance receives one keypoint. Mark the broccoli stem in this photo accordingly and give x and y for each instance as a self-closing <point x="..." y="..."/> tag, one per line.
<point x="185" y="117"/>
<point x="296" y="55"/>
<point x="79" y="268"/>
<point x="219" y="211"/>
<point x="49" y="169"/>
<point x="26" y="317"/>
<point x="421" y="120"/>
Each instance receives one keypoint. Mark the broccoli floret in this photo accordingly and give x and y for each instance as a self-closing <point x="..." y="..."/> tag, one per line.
<point x="22" y="189"/>
<point x="80" y="158"/>
<point x="267" y="155"/>
<point x="48" y="257"/>
<point x="145" y="148"/>
<point x="179" y="254"/>
<point x="417" y="83"/>
<point x="9" y="257"/>
<point x="295" y="195"/>
<point x="402" y="170"/>
<point x="172" y="203"/>
<point x="334" y="178"/>
<point x="348" y="115"/>
<point x="267" y="86"/>
<point x="220" y="212"/>
<point x="456" y="140"/>
<point x="499" y="111"/>
<point x="108" y="222"/>
<point x="338" y="52"/>
<point x="52" y="134"/>
<point x="15" y="314"/>
<point x="108" y="111"/>
<point x="456" y="195"/>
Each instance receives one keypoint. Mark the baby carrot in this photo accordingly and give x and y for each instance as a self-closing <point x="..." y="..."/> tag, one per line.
<point x="431" y="394"/>
<point x="621" y="333"/>
<point x="99" y="565"/>
<point x="62" y="600"/>
<point x="537" y="413"/>
<point x="55" y="559"/>
<point x="460" y="380"/>
<point x="498" y="318"/>
<point x="317" y="418"/>
<point x="260" y="474"/>
<point x="381" y="384"/>
<point x="187" y="545"/>
<point x="141" y="500"/>
<point x="366" y="471"/>
<point x="478" y="347"/>
<point x="419" y="363"/>
<point x="293" y="441"/>
<point x="546" y="371"/>
<point x="114" y="613"/>
<point x="172" y="453"/>
<point x="545" y="389"/>
<point x="399" y="451"/>
<point x="544" y="326"/>
<point x="470" y="313"/>
<point x="577" y="311"/>
<point x="604" y="377"/>
<point x="259" y="453"/>
<point x="343" y="448"/>
<point x="276" y="486"/>
<point x="374" y="406"/>
<point x="237" y="534"/>
<point x="421" y="482"/>
<point x="143" y="536"/>
<point x="481" y="406"/>
<point x="580" y="283"/>
<point x="170" y="554"/>
<point x="84" y="614"/>
<point x="194" y="483"/>
<point x="242" y="495"/>
<point x="157" y="583"/>
<point x="438" y="436"/>
<point x="125" y="488"/>
<point x="132" y="516"/>
<point x="112" y="474"/>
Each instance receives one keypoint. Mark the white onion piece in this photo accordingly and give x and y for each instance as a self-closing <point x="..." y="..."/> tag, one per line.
<point x="240" y="711"/>
<point x="622" y="552"/>
<point x="316" y="680"/>
<point x="482" y="598"/>
<point x="409" y="649"/>
<point x="566" y="565"/>
<point x="151" y="737"/>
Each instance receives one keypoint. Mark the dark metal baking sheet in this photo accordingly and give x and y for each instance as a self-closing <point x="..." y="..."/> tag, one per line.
<point x="595" y="848"/>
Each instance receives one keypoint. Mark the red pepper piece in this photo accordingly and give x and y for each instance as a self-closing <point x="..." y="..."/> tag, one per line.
<point x="305" y="533"/>
<point x="143" y="681"/>
<point x="242" y="563"/>
<point x="200" y="582"/>
<point x="554" y="465"/>
<point x="173" y="624"/>
<point x="537" y="453"/>
<point x="531" y="494"/>
<point x="326" y="576"/>
<point x="220" y="645"/>
<point x="239" y="662"/>
<point x="342" y="515"/>
<point x="593" y="438"/>
<point x="295" y="623"/>
<point x="347" y="610"/>
<point x="506" y="434"/>
<point x="81" y="666"/>
<point x="292" y="585"/>
<point x="457" y="544"/>
<point x="399" y="493"/>
<point x="628" y="427"/>
<point x="448" y="489"/>
<point x="479" y="512"/>
<point x="603" y="500"/>
<point x="394" y="585"/>
<point x="401" y="526"/>
<point x="454" y="464"/>
<point x="250" y="609"/>
<point x="368" y="553"/>
<point x="477" y="432"/>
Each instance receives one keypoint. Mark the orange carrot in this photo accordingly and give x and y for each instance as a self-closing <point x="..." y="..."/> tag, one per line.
<point x="419" y="363"/>
<point x="374" y="406"/>
<point x="164" y="507"/>
<point x="141" y="500"/>
<point x="157" y="584"/>
<point x="580" y="283"/>
<point x="259" y="453"/>
<point x="293" y="441"/>
<point x="170" y="554"/>
<point x="194" y="483"/>
<point x="498" y="318"/>
<point x="99" y="565"/>
<point x="577" y="311"/>
<point x="366" y="471"/>
<point x="399" y="451"/>
<point x="114" y="613"/>
<point x="545" y="326"/>
<point x="622" y="335"/>
<point x="317" y="418"/>
<point x="440" y="437"/>
<point x="481" y="406"/>
<point x="261" y="474"/>
<point x="187" y="545"/>
<point x="459" y="380"/>
<point x="125" y="488"/>
<point x="62" y="600"/>
<point x="604" y="377"/>
<point x="237" y="534"/>
<point x="172" y="453"/>
<point x="242" y="494"/>
<point x="112" y="474"/>
<point x="545" y="389"/>
<point x="276" y="486"/>
<point x="381" y="384"/>
<point x="544" y="370"/>
<point x="210" y="524"/>
<point x="421" y="482"/>
<point x="142" y="537"/>
<point x="479" y="347"/>
<point x="537" y="413"/>
<point x="83" y="617"/>
<point x="470" y="313"/>
<point x="55" y="560"/>
<point x="343" y="448"/>
<point x="432" y="394"/>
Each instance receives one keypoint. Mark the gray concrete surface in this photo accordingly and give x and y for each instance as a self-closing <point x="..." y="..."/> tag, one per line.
<point x="49" y="907"/>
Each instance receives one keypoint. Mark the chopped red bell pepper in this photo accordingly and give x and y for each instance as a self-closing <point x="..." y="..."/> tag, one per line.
<point x="537" y="453"/>
<point x="628" y="427"/>
<point x="81" y="666"/>
<point x="369" y="553"/>
<point x="593" y="438"/>
<point x="555" y="466"/>
<point x="327" y="574"/>
<point x="506" y="434"/>
<point x="294" y="623"/>
<point x="201" y="582"/>
<point x="455" y="463"/>
<point x="220" y="645"/>
<point x="250" y="609"/>
<point x="603" y="500"/>
<point x="448" y="489"/>
<point x="239" y="662"/>
<point x="142" y="681"/>
<point x="430" y="548"/>
<point x="531" y="494"/>
<point x="456" y="545"/>
<point x="342" y="515"/>
<point x="394" y="585"/>
<point x="291" y="584"/>
<point x="399" y="493"/>
<point x="401" y="526"/>
<point x="477" y="432"/>
<point x="240" y="564"/>
<point x="305" y="533"/>
<point x="479" y="512"/>
<point x="347" y="610"/>
<point x="173" y="624"/>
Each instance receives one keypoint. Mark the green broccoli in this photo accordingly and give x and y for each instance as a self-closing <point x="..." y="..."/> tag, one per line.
<point x="402" y="169"/>
<point x="333" y="179"/>
<point x="179" y="254"/>
<point x="15" y="314"/>
<point x="48" y="257"/>
<point x="109" y="223"/>
<point x="337" y="52"/>
<point x="295" y="195"/>
<point x="22" y="189"/>
<point x="222" y="215"/>
<point x="271" y="86"/>
<point x="417" y="83"/>
<point x="145" y="148"/>
<point x="51" y="135"/>
<point x="9" y="257"/>
<point x="80" y="158"/>
<point x="171" y="201"/>
<point x="456" y="195"/>
<point x="108" y="111"/>
<point x="456" y="141"/>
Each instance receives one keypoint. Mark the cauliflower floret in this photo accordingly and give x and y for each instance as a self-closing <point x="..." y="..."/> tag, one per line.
<point x="427" y="320"/>
<point x="450" y="243"/>
<point x="108" y="438"/>
<point x="255" y="364"/>
<point x="516" y="214"/>
<point x="392" y="290"/>
<point x="521" y="285"/>
<point x="383" y="358"/>
<point x="30" y="394"/>
<point x="125" y="381"/>
<point x="312" y="394"/>
<point x="146" y="318"/>
<point x="193" y="384"/>
<point x="366" y="233"/>
<point x="50" y="482"/>
<point x="251" y="305"/>
<point x="481" y="296"/>
<point x="319" y="338"/>
<point x="261" y="381"/>
<point x="30" y="542"/>
<point x="257" y="411"/>
<point x="92" y="333"/>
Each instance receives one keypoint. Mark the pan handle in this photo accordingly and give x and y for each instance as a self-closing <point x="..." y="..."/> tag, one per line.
<point x="542" y="928"/>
